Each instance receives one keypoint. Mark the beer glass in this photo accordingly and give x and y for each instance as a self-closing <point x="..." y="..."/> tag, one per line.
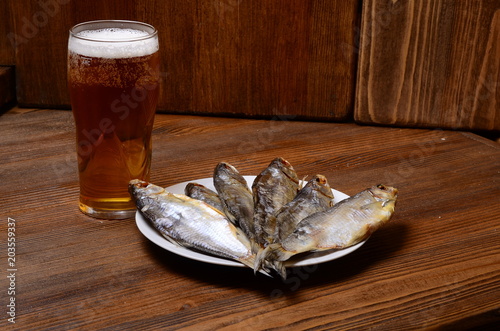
<point x="113" y="78"/>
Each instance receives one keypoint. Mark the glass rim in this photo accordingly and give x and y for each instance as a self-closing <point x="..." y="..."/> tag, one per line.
<point x="113" y="24"/>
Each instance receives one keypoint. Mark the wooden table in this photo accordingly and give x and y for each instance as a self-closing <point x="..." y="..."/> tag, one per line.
<point x="435" y="265"/>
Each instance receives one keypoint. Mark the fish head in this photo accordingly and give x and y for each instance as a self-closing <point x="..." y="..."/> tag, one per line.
<point x="138" y="188"/>
<point x="387" y="195"/>
<point x="225" y="172"/>
<point x="285" y="167"/>
<point x="320" y="183"/>
<point x="224" y="168"/>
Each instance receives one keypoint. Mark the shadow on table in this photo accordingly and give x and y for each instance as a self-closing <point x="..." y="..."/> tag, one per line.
<point x="383" y="244"/>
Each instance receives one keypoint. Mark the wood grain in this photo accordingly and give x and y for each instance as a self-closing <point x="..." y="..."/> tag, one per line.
<point x="434" y="266"/>
<point x="225" y="57"/>
<point x="7" y="56"/>
<point x="430" y="64"/>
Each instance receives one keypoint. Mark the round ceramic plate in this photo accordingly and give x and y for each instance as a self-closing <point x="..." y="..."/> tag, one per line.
<point x="304" y="260"/>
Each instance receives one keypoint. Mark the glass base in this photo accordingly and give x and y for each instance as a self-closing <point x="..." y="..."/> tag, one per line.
<point x="111" y="214"/>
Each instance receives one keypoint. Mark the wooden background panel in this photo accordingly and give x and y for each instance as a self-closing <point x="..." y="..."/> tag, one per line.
<point x="226" y="57"/>
<point x="7" y="45"/>
<point x="41" y="32"/>
<point x="41" y="46"/>
<point x="430" y="64"/>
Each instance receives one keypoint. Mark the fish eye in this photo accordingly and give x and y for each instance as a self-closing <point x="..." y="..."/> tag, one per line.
<point x="381" y="186"/>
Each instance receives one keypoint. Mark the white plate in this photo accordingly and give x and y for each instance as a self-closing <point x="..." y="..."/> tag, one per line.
<point x="308" y="259"/>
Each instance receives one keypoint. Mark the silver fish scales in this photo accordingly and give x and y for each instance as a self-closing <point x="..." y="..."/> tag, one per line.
<point x="315" y="196"/>
<point x="345" y="224"/>
<point x="191" y="223"/>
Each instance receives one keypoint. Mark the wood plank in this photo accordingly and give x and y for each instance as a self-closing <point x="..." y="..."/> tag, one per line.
<point x="42" y="29"/>
<point x="434" y="266"/>
<point x="41" y="48"/>
<point x="430" y="64"/>
<point x="7" y="33"/>
<point x="225" y="57"/>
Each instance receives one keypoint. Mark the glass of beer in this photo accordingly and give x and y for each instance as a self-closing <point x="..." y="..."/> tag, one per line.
<point x="113" y="78"/>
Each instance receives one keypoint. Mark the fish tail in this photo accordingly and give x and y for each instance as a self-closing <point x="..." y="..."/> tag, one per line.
<point x="256" y="247"/>
<point x="279" y="267"/>
<point x="260" y="258"/>
<point x="267" y="259"/>
<point x="248" y="261"/>
<point x="276" y="259"/>
<point x="279" y="254"/>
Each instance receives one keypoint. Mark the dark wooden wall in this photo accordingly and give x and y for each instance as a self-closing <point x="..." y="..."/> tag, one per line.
<point x="237" y="57"/>
<point x="389" y="62"/>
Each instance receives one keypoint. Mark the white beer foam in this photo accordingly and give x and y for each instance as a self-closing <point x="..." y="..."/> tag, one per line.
<point x="112" y="43"/>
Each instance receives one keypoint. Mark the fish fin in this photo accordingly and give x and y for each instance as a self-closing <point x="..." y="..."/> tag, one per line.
<point x="280" y="268"/>
<point x="255" y="246"/>
<point x="303" y="182"/>
<point x="265" y="272"/>
<point x="260" y="258"/>
<point x="250" y="262"/>
<point x="266" y="260"/>
<point x="173" y="241"/>
<point x="280" y="254"/>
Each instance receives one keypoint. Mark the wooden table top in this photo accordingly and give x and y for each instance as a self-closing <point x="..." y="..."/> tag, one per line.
<point x="436" y="264"/>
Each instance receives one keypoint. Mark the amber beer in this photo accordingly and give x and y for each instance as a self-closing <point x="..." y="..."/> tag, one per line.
<point x="113" y="76"/>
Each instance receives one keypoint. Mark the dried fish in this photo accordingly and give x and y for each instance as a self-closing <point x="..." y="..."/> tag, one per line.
<point x="266" y="225"/>
<point x="315" y="196"/>
<point x="191" y="223"/>
<point x="203" y="193"/>
<point x="236" y="197"/>
<point x="345" y="224"/>
<point x="273" y="188"/>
